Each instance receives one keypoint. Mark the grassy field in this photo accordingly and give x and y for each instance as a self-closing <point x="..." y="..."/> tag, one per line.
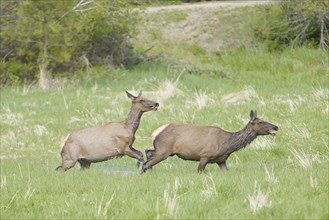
<point x="281" y="177"/>
<point x="285" y="176"/>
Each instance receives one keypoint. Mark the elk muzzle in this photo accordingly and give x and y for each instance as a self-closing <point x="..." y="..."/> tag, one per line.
<point x="273" y="130"/>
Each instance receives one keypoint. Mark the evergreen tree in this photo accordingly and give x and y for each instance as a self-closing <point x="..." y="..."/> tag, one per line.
<point x="46" y="36"/>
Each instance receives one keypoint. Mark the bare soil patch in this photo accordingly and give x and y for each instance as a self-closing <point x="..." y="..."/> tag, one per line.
<point x="208" y="5"/>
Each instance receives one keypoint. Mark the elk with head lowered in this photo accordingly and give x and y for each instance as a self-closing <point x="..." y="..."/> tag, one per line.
<point x="206" y="144"/>
<point x="114" y="139"/>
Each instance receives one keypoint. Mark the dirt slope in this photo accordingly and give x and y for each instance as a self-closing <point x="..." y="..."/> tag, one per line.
<point x="209" y="5"/>
<point x="189" y="30"/>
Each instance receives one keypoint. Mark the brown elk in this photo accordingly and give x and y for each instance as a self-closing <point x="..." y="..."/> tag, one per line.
<point x="111" y="140"/>
<point x="206" y="144"/>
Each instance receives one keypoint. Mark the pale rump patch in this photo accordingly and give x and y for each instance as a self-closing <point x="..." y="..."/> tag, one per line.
<point x="63" y="142"/>
<point x="158" y="131"/>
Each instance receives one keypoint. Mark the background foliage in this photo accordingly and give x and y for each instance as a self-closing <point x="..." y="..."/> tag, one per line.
<point x="67" y="38"/>
<point x="63" y="36"/>
<point x="296" y="22"/>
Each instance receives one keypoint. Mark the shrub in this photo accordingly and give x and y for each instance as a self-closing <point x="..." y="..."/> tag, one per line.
<point x="61" y="36"/>
<point x="15" y="72"/>
<point x="296" y="22"/>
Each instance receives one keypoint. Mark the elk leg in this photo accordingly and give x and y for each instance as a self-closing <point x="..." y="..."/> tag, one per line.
<point x="84" y="164"/>
<point x="202" y="164"/>
<point x="131" y="152"/>
<point x="69" y="157"/>
<point x="156" y="158"/>
<point x="66" y="164"/>
<point x="139" y="161"/>
<point x="149" y="153"/>
<point x="149" y="163"/>
<point x="222" y="166"/>
<point x="137" y="152"/>
<point x="59" y="168"/>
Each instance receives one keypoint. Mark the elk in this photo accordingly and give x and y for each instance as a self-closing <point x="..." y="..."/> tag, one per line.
<point x="206" y="144"/>
<point x="111" y="140"/>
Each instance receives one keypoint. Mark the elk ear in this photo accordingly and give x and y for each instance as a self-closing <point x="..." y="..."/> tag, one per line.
<point x="140" y="94"/>
<point x="132" y="97"/>
<point x="253" y="115"/>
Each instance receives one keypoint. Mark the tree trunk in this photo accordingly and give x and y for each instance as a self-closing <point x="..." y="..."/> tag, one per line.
<point x="44" y="81"/>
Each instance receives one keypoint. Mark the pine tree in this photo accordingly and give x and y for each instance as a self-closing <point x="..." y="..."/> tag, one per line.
<point x="55" y="36"/>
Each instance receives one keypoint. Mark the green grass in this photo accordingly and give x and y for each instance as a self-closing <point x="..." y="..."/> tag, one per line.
<point x="285" y="176"/>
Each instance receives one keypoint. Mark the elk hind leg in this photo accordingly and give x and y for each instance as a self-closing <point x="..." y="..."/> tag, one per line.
<point x="69" y="159"/>
<point x="66" y="164"/>
<point x="149" y="153"/>
<point x="222" y="166"/>
<point x="155" y="158"/>
<point x="84" y="164"/>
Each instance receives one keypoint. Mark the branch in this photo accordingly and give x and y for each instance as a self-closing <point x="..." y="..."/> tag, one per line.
<point x="87" y="9"/>
<point x="81" y="3"/>
<point x="7" y="54"/>
<point x="324" y="31"/>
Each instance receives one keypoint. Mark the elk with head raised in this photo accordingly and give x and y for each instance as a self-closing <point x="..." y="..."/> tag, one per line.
<point x="114" y="139"/>
<point x="206" y="144"/>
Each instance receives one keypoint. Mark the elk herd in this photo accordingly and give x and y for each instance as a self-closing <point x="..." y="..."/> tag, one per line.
<point x="205" y="144"/>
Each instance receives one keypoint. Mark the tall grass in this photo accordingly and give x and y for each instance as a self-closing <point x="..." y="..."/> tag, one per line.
<point x="276" y="177"/>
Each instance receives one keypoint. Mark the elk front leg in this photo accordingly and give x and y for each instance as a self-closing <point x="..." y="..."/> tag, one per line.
<point x="132" y="152"/>
<point x="202" y="164"/>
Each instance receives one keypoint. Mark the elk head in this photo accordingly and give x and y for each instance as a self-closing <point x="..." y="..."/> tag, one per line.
<point x="261" y="127"/>
<point x="141" y="103"/>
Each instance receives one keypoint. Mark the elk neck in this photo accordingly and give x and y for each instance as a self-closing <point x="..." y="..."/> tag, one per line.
<point x="134" y="117"/>
<point x="242" y="138"/>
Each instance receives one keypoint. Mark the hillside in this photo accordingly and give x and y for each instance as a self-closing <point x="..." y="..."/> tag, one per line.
<point x="190" y="31"/>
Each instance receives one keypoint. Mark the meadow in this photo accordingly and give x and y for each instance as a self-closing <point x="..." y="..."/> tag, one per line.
<point x="280" y="177"/>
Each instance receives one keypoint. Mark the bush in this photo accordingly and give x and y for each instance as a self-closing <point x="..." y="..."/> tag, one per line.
<point x="62" y="36"/>
<point x="15" y="72"/>
<point x="110" y="29"/>
<point x="295" y="23"/>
